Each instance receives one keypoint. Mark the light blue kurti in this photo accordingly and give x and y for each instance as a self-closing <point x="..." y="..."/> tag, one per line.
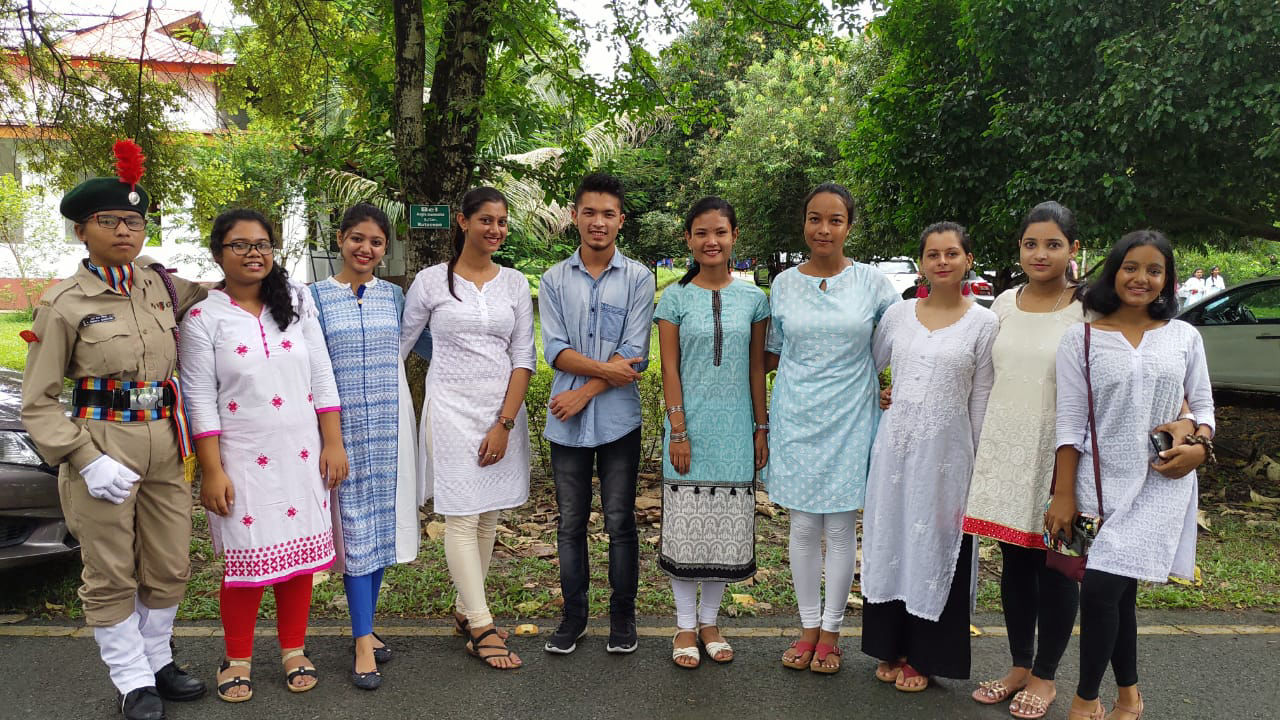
<point x="708" y="531"/>
<point x="824" y="408"/>
<point x="364" y="346"/>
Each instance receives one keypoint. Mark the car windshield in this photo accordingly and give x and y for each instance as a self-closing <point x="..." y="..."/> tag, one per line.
<point x="896" y="267"/>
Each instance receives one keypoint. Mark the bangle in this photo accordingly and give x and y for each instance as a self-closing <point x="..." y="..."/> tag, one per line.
<point x="762" y="426"/>
<point x="1194" y="439"/>
<point x="674" y="409"/>
<point x="679" y="437"/>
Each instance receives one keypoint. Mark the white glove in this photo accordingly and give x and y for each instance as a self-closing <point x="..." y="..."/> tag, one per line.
<point x="107" y="479"/>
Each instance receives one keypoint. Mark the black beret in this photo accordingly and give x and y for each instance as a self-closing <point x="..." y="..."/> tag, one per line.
<point x="103" y="193"/>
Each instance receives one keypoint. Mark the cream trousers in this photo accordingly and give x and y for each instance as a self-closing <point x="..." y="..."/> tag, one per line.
<point x="468" y="547"/>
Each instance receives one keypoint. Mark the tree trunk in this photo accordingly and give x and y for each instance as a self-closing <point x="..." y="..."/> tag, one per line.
<point x="436" y="145"/>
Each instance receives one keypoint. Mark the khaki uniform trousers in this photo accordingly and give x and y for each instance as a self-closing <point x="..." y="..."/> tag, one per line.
<point x="141" y="547"/>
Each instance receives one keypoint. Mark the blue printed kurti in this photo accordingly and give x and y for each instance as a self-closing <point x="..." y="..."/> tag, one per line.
<point x="364" y="346"/>
<point x="824" y="407"/>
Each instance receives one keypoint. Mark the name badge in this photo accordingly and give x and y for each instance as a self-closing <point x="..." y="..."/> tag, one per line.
<point x="95" y="319"/>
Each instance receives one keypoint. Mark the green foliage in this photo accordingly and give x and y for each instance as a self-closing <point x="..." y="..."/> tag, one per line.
<point x="1236" y="265"/>
<point x="1131" y="114"/>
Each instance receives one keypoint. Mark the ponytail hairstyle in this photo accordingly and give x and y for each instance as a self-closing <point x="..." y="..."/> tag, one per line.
<point x="836" y="189"/>
<point x="274" y="292"/>
<point x="944" y="227"/>
<point x="471" y="202"/>
<point x="707" y="204"/>
<point x="360" y="212"/>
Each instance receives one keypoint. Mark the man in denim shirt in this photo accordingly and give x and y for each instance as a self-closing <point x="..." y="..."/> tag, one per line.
<point x="596" y="309"/>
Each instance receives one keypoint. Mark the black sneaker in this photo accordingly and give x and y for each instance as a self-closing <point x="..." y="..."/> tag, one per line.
<point x="622" y="635"/>
<point x="565" y="639"/>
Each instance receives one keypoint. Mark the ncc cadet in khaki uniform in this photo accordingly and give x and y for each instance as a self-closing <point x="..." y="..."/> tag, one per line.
<point x="110" y="329"/>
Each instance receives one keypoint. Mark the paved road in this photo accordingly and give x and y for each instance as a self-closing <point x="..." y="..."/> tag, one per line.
<point x="1216" y="672"/>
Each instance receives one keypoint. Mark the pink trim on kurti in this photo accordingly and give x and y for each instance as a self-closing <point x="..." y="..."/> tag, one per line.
<point x="333" y="408"/>
<point x="304" y="555"/>
<point x="206" y="434"/>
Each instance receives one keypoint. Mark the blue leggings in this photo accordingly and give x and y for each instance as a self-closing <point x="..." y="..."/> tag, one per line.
<point x="362" y="600"/>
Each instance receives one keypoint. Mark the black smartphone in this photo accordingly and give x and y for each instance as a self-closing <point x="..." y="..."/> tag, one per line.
<point x="1161" y="441"/>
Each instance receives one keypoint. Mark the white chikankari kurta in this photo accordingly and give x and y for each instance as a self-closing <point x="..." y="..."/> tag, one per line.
<point x="477" y="339"/>
<point x="1149" y="521"/>
<point x="922" y="458"/>
<point x="260" y="389"/>
<point x="1014" y="465"/>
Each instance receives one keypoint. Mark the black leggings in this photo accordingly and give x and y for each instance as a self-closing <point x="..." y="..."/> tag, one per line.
<point x="1031" y="593"/>
<point x="1108" y="631"/>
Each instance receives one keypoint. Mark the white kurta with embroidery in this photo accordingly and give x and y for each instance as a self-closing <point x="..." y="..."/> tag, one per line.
<point x="1149" y="521"/>
<point x="260" y="389"/>
<point x="922" y="458"/>
<point x="477" y="339"/>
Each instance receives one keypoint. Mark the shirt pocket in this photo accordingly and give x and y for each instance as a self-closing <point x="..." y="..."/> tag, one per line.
<point x="108" y="349"/>
<point x="612" y="319"/>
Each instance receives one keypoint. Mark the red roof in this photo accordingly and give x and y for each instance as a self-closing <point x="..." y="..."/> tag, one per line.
<point x="122" y="38"/>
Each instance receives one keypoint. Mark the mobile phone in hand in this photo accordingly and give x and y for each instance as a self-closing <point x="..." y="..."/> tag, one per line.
<point x="1161" y="441"/>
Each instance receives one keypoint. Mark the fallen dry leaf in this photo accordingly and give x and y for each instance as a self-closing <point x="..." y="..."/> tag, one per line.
<point x="11" y="619"/>
<point x="743" y="599"/>
<point x="53" y="607"/>
<point x="1202" y="519"/>
<point x="319" y="578"/>
<point x="645" y="503"/>
<point x="854" y="601"/>
<point x="528" y="607"/>
<point x="504" y="530"/>
<point x="538" y="550"/>
<point x="1258" y="497"/>
<point x="435" y="529"/>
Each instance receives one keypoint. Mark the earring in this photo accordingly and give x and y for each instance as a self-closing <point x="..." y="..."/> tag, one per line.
<point x="964" y="290"/>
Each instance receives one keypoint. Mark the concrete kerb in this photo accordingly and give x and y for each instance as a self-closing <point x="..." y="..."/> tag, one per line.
<point x="203" y="631"/>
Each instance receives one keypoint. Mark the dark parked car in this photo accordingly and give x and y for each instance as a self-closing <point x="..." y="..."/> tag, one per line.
<point x="31" y="526"/>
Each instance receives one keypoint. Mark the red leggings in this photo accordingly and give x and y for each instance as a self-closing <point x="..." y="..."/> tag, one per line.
<point x="239" y="607"/>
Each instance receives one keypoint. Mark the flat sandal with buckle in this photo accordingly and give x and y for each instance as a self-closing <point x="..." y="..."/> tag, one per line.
<point x="235" y="681"/>
<point x="301" y="670"/>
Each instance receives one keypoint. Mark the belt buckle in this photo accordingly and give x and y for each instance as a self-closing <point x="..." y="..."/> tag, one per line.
<point x="148" y="398"/>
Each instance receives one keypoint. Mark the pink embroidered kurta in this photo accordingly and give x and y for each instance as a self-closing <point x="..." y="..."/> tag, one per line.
<point x="260" y="389"/>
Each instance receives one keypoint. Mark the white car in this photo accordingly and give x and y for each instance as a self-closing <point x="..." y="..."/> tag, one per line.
<point x="1241" y="331"/>
<point x="901" y="271"/>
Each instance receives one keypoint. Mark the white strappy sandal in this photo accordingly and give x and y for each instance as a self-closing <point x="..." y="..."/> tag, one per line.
<point x="715" y="647"/>
<point x="691" y="652"/>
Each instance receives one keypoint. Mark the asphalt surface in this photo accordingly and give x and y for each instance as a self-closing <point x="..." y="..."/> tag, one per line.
<point x="1225" y="669"/>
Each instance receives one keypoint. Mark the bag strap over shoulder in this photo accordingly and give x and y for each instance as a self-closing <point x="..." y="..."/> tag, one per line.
<point x="1093" y="423"/>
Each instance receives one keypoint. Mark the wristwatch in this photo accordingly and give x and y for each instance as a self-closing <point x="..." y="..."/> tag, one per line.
<point x="1188" y="416"/>
<point x="507" y="423"/>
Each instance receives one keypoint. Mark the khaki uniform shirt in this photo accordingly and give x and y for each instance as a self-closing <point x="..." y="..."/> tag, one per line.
<point x="85" y="329"/>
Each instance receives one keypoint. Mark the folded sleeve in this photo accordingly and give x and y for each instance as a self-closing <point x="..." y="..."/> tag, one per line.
<point x="555" y="336"/>
<point x="522" y="350"/>
<point x="636" y="329"/>
<point x="324" y="389"/>
<point x="1196" y="383"/>
<point x="1073" y="393"/>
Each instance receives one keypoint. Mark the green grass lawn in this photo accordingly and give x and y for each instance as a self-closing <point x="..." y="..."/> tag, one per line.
<point x="13" y="349"/>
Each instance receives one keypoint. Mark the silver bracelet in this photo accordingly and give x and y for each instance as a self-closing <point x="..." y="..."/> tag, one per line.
<point x="679" y="437"/>
<point x="674" y="409"/>
<point x="762" y="426"/>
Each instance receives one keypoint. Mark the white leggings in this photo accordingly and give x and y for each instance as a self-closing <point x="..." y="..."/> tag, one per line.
<point x="468" y="547"/>
<point x="807" y="531"/>
<point x="689" y="614"/>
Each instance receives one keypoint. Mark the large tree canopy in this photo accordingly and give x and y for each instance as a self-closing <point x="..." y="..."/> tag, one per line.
<point x="1134" y="114"/>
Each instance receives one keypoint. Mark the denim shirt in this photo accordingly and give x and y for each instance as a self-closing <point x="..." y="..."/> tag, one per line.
<point x="598" y="317"/>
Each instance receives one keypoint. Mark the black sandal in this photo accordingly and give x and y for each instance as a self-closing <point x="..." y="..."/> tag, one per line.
<point x="301" y="670"/>
<point x="476" y="649"/>
<point x="462" y="628"/>
<point x="235" y="681"/>
<point x="381" y="655"/>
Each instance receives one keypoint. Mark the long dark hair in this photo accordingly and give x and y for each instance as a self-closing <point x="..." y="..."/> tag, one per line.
<point x="274" y="292"/>
<point x="1101" y="295"/>
<point x="360" y="212"/>
<point x="471" y="202"/>
<point x="711" y="203"/>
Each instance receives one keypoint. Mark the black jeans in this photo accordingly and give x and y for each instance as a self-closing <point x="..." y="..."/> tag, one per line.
<point x="1108" y="631"/>
<point x="616" y="463"/>
<point x="1031" y="593"/>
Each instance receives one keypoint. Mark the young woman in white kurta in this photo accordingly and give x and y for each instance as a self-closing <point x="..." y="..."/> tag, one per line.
<point x="915" y="568"/>
<point x="1141" y="367"/>
<point x="475" y="435"/>
<point x="265" y="419"/>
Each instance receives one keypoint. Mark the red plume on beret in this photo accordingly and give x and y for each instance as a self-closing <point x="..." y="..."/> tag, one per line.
<point x="129" y="160"/>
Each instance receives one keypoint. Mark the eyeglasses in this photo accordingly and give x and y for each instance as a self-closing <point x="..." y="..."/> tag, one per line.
<point x="133" y="222"/>
<point x="242" y="248"/>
